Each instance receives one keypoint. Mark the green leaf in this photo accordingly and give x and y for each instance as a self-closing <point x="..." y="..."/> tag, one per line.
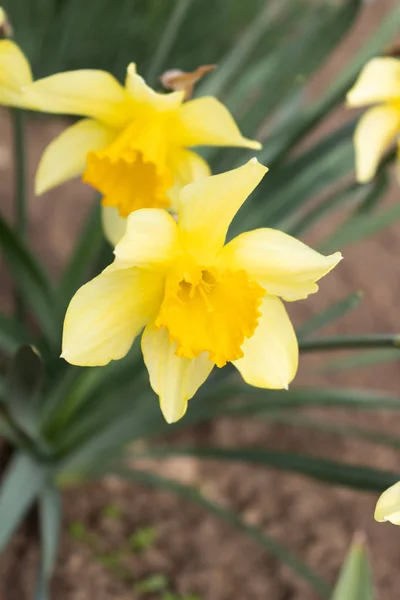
<point x="328" y="471"/>
<point x="291" y="66"/>
<point x="301" y="125"/>
<point x="360" y="361"/>
<point x="355" y="578"/>
<point x="50" y="525"/>
<point x="85" y="252"/>
<point x="30" y="279"/>
<point x="293" y="418"/>
<point x="284" y="191"/>
<point x="21" y="483"/>
<point x="168" y="38"/>
<point x="352" y="195"/>
<point x="192" y="495"/>
<point x="345" y="342"/>
<point x="12" y="334"/>
<point x="24" y="384"/>
<point x="331" y="314"/>
<point x="361" y="225"/>
<point x="240" y="52"/>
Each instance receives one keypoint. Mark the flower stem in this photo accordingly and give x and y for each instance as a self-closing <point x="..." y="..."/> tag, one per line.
<point x="348" y="342"/>
<point x="20" y="189"/>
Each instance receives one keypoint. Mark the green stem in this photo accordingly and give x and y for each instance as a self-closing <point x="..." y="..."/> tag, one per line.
<point x="20" y="187"/>
<point x="20" y="205"/>
<point x="348" y="342"/>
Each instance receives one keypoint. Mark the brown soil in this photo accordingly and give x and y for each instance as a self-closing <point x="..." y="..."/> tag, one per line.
<point x="196" y="552"/>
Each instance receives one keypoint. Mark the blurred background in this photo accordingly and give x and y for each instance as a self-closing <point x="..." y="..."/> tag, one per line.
<point x="177" y="545"/>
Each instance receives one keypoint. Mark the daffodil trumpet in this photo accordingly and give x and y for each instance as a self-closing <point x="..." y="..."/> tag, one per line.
<point x="201" y="303"/>
<point x="133" y="147"/>
<point x="378" y="85"/>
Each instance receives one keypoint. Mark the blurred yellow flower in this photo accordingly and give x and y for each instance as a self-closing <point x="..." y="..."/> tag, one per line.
<point x="202" y="303"/>
<point x="15" y="73"/>
<point x="133" y="145"/>
<point x="388" y="505"/>
<point x="378" y="84"/>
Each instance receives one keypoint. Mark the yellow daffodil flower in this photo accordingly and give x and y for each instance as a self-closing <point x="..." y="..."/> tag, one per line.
<point x="388" y="505"/>
<point x="379" y="85"/>
<point x="202" y="303"/>
<point x="133" y="147"/>
<point x="15" y="73"/>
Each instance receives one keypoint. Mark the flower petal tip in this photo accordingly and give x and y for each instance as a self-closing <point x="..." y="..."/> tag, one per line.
<point x="172" y="412"/>
<point x="255" y="162"/>
<point x="254" y="144"/>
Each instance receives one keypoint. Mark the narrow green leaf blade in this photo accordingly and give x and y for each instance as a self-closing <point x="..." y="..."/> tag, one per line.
<point x="22" y="481"/>
<point x="328" y="471"/>
<point x="362" y="360"/>
<point x="300" y="126"/>
<point x="166" y="42"/>
<point x="331" y="314"/>
<point x="30" y="278"/>
<point x="50" y="525"/>
<point x="355" y="578"/>
<point x="24" y="384"/>
<point x="12" y="334"/>
<point x="85" y="251"/>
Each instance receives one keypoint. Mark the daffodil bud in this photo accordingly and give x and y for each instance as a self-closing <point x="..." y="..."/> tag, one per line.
<point x="388" y="506"/>
<point x="6" y="30"/>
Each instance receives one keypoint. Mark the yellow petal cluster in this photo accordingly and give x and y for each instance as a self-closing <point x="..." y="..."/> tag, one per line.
<point x="201" y="302"/>
<point x="133" y="145"/>
<point x="378" y="85"/>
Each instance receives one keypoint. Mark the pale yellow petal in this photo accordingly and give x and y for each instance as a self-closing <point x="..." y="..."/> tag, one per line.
<point x="187" y="167"/>
<point x="207" y="122"/>
<point x="378" y="82"/>
<point x="106" y="314"/>
<point x="388" y="505"/>
<point x="114" y="226"/>
<point x="151" y="239"/>
<point x="374" y="134"/>
<point x="65" y="157"/>
<point x="144" y="95"/>
<point x="271" y="356"/>
<point x="87" y="92"/>
<point x="207" y="207"/>
<point x="175" y="380"/>
<point x="15" y="73"/>
<point x="283" y="265"/>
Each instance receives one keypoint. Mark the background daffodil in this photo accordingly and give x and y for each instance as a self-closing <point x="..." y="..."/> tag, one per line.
<point x="388" y="506"/>
<point x="15" y="73"/>
<point x="202" y="303"/>
<point x="133" y="147"/>
<point x="378" y="84"/>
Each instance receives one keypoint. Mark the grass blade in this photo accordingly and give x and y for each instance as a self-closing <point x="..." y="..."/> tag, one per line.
<point x="165" y="44"/>
<point x="84" y="254"/>
<point x="22" y="481"/>
<point x="355" y="578"/>
<point x="50" y="524"/>
<point x="331" y="314"/>
<point x="32" y="282"/>
<point x="328" y="471"/>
